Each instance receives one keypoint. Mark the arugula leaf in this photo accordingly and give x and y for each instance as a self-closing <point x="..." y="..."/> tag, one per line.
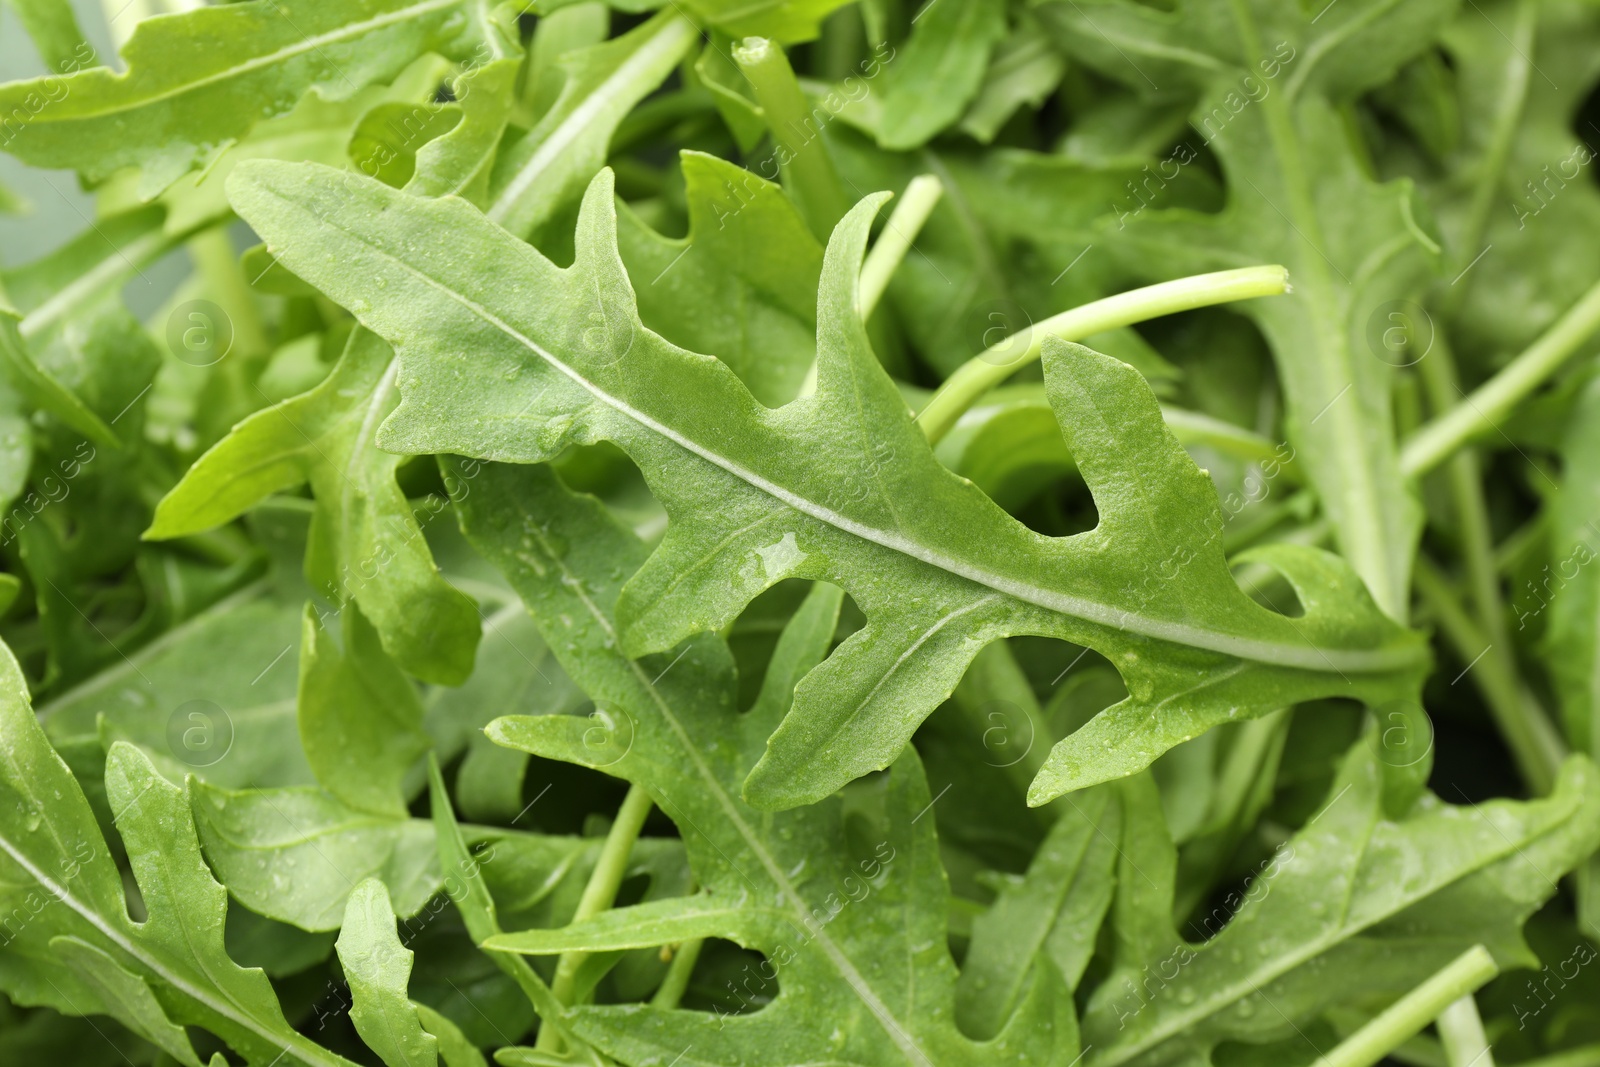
<point x="234" y="727"/>
<point x="1353" y="893"/>
<point x="1052" y="913"/>
<point x="366" y="543"/>
<point x="1572" y="640"/>
<point x="738" y="286"/>
<point x="783" y="20"/>
<point x="199" y="80"/>
<point x="171" y="968"/>
<point x="931" y="85"/>
<point x="378" y="968"/>
<point x="859" y="981"/>
<point x="760" y="496"/>
<point x="254" y="838"/>
<point x="360" y="718"/>
<point x="54" y="29"/>
<point x="1270" y="79"/>
<point x="550" y="165"/>
<point x="1508" y="194"/>
<point x="1023" y="70"/>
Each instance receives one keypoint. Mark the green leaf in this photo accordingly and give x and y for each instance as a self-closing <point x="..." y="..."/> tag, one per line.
<point x="784" y="20"/>
<point x="126" y="995"/>
<point x="1023" y="71"/>
<point x="1572" y="640"/>
<point x="1514" y="191"/>
<point x="931" y="85"/>
<point x="366" y="544"/>
<point x="198" y="81"/>
<point x="42" y="389"/>
<point x="1353" y="906"/>
<point x="854" y="938"/>
<point x="458" y="163"/>
<point x="294" y="854"/>
<point x="1052" y="913"/>
<point x="841" y="486"/>
<point x="454" y="1048"/>
<point x="378" y="969"/>
<point x="549" y="166"/>
<point x="739" y="285"/>
<point x="58" y="868"/>
<point x="55" y="33"/>
<point x="216" y="694"/>
<point x="464" y="882"/>
<point x="1270" y="78"/>
<point x="360" y="717"/>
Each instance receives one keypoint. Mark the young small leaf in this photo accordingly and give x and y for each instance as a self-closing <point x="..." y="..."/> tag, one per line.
<point x="378" y="969"/>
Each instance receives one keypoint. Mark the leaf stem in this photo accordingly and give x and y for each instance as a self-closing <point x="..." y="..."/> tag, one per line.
<point x="604" y="881"/>
<point x="1461" y="1032"/>
<point x="1477" y="547"/>
<point x="997" y="363"/>
<point x="1494" y="399"/>
<point x="1583" y="1056"/>
<point x="802" y="157"/>
<point x="1412" y="1012"/>
<point x="1534" y="743"/>
<point x="916" y="204"/>
<point x="678" y="973"/>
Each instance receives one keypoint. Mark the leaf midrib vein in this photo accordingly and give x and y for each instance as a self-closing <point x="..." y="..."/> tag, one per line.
<point x="1357" y="660"/>
<point x="306" y="44"/>
<point x="672" y="34"/>
<point x="847" y="970"/>
<point x="1269" y="973"/>
<point x="226" y="1008"/>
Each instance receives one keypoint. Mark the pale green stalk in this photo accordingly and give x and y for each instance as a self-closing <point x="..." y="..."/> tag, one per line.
<point x="1461" y="1032"/>
<point x="916" y="204"/>
<point x="108" y="275"/>
<point x="601" y="891"/>
<point x="1534" y="742"/>
<point x="1477" y="547"/>
<point x="1584" y="1056"/>
<point x="1408" y="1015"/>
<point x="1494" y="399"/>
<point x="993" y="366"/>
<point x="678" y="972"/>
<point x="803" y="158"/>
<point x="218" y="263"/>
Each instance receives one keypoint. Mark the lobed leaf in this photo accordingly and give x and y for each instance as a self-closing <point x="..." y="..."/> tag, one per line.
<point x="838" y="486"/>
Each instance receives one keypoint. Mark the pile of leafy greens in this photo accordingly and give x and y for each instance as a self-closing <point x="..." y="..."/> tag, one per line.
<point x="800" y="532"/>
